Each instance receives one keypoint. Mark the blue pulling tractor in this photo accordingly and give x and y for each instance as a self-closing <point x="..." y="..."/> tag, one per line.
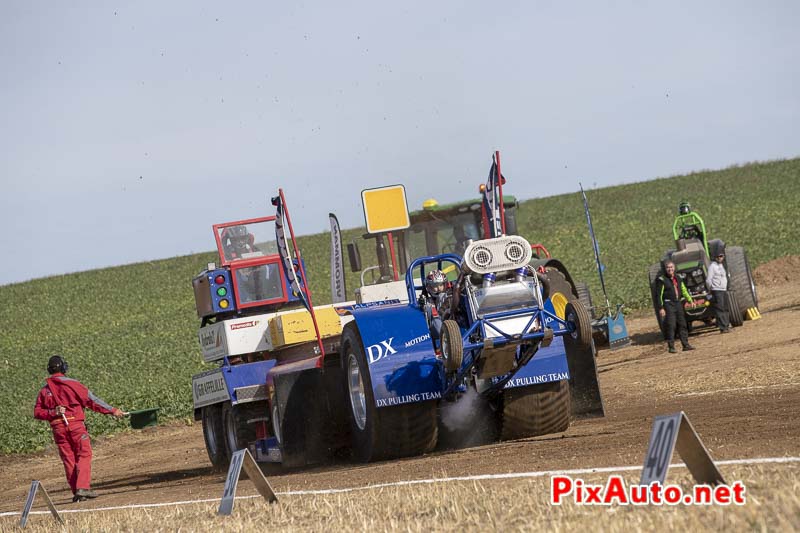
<point x="496" y="319"/>
<point x="505" y="335"/>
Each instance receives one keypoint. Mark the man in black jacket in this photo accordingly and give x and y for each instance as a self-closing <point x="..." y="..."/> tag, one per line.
<point x="670" y="289"/>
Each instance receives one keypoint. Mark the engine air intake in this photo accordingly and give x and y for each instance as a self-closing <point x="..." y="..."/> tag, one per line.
<point x="495" y="255"/>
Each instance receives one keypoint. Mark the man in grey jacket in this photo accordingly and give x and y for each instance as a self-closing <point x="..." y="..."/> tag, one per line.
<point x="718" y="284"/>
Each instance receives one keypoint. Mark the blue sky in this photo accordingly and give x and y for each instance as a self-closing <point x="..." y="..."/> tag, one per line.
<point x="130" y="128"/>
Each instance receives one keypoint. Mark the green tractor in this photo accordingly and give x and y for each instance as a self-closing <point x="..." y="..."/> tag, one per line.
<point x="437" y="229"/>
<point x="692" y="256"/>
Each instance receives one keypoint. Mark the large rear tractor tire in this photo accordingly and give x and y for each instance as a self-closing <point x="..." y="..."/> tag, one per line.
<point x="573" y="311"/>
<point x="585" y="297"/>
<point x="238" y="433"/>
<point x="214" y="437"/>
<point x="397" y="431"/>
<point x="536" y="410"/>
<point x="741" y="278"/>
<point x="555" y="281"/>
<point x="734" y="311"/>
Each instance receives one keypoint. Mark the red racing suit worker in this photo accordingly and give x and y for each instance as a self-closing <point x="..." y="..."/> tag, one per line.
<point x="61" y="402"/>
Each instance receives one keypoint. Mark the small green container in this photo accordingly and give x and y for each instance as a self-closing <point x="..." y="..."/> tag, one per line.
<point x="144" y="418"/>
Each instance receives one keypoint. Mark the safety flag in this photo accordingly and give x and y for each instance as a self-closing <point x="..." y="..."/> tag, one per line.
<point x="293" y="268"/>
<point x="595" y="246"/>
<point x="285" y="253"/>
<point x="338" y="284"/>
<point x="493" y="199"/>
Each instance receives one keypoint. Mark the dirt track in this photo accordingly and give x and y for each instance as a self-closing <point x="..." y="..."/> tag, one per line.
<point x="741" y="392"/>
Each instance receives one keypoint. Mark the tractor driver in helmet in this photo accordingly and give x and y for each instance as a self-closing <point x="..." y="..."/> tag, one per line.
<point x="690" y="231"/>
<point x="435" y="283"/>
<point x="435" y="299"/>
<point x="237" y="242"/>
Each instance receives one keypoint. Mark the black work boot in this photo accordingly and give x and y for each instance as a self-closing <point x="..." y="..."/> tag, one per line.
<point x="688" y="347"/>
<point x="85" y="494"/>
<point x="672" y="349"/>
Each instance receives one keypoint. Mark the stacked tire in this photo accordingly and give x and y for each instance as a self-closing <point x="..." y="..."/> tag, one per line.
<point x="741" y="286"/>
<point x="734" y="311"/>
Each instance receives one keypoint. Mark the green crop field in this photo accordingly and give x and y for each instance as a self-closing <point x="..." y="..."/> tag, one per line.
<point x="129" y="332"/>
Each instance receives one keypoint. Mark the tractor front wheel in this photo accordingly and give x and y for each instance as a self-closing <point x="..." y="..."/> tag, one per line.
<point x="452" y="346"/>
<point x="581" y="336"/>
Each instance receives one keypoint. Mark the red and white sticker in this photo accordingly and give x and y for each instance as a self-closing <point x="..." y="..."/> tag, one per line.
<point x="242" y="325"/>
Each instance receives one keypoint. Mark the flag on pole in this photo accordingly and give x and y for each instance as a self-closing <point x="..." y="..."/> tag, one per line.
<point x="492" y="200"/>
<point x="338" y="284"/>
<point x="285" y="253"/>
<point x="595" y="245"/>
<point x="293" y="268"/>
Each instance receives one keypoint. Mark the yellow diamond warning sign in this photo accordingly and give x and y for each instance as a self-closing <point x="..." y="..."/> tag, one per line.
<point x="385" y="208"/>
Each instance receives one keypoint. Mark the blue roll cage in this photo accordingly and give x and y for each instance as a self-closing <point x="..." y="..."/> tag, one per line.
<point x="473" y="349"/>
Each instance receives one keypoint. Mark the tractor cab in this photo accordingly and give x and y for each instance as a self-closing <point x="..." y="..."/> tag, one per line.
<point x="687" y="228"/>
<point x="442" y="229"/>
<point x="383" y="272"/>
<point x="250" y="277"/>
<point x="434" y="230"/>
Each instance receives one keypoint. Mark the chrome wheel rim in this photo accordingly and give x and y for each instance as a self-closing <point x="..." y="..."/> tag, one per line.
<point x="358" y="399"/>
<point x="276" y="424"/>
